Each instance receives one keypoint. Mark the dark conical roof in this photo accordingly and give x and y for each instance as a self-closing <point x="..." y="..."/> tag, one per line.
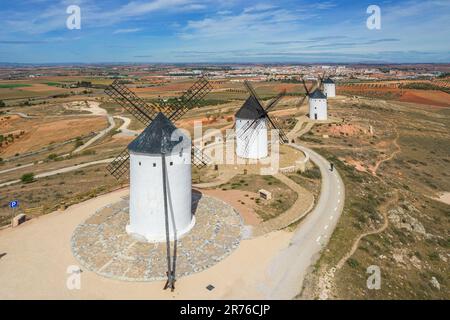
<point x="157" y="137"/>
<point x="317" y="94"/>
<point x="251" y="110"/>
<point x="328" y="80"/>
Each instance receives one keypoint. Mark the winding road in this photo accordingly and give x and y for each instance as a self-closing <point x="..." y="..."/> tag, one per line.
<point x="289" y="268"/>
<point x="100" y="135"/>
<point x="124" y="131"/>
<point x="62" y="170"/>
<point x="95" y="109"/>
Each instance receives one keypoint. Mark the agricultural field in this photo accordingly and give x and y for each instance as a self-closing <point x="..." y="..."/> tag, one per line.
<point x="36" y="134"/>
<point x="433" y="93"/>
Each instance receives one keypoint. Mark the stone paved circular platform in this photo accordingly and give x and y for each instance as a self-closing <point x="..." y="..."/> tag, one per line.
<point x="102" y="245"/>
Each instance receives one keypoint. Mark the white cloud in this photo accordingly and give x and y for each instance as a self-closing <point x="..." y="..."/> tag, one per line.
<point x="324" y="5"/>
<point x="54" y="16"/>
<point x="257" y="21"/>
<point x="119" y="31"/>
<point x="259" y="8"/>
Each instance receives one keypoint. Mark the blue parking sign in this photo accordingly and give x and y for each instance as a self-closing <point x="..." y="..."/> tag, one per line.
<point x="14" y="204"/>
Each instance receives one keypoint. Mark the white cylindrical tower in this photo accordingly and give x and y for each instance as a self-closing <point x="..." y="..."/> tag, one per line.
<point x="147" y="209"/>
<point x="251" y="140"/>
<point x="329" y="88"/>
<point x="251" y="144"/>
<point x="318" y="106"/>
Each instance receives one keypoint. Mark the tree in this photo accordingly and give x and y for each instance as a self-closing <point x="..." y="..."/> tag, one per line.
<point x="27" y="177"/>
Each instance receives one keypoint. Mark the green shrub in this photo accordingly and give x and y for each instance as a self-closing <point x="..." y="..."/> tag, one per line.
<point x="27" y="177"/>
<point x="353" y="263"/>
<point x="434" y="256"/>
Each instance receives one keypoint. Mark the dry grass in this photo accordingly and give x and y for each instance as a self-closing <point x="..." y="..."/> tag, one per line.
<point x="282" y="196"/>
<point x="408" y="259"/>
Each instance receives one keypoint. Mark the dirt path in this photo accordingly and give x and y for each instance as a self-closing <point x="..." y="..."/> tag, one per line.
<point x="326" y="280"/>
<point x="299" y="129"/>
<point x="94" y="108"/>
<point x="380" y="162"/>
<point x="124" y="131"/>
<point x="20" y="114"/>
<point x="59" y="171"/>
<point x="383" y="209"/>
<point x="224" y="177"/>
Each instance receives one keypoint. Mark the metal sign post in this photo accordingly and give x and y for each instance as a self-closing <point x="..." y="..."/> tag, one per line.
<point x="13" y="205"/>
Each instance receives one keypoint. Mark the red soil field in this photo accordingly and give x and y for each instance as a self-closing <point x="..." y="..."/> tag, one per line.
<point x="426" y="97"/>
<point x="433" y="98"/>
<point x="41" y="133"/>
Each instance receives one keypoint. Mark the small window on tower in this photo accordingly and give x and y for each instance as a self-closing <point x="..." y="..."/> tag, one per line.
<point x="154" y="165"/>
<point x="139" y="163"/>
<point x="171" y="163"/>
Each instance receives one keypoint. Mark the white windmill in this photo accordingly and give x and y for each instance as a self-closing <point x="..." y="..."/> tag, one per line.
<point x="160" y="150"/>
<point x="159" y="161"/>
<point x="252" y="124"/>
<point x="318" y="104"/>
<point x="329" y="88"/>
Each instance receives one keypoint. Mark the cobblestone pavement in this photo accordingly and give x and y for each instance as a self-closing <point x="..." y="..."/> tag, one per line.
<point x="102" y="245"/>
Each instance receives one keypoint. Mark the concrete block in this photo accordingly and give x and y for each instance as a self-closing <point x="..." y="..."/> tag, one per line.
<point x="19" y="219"/>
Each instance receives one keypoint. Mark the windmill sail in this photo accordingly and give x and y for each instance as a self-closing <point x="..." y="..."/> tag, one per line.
<point x="274" y="124"/>
<point x="144" y="112"/>
<point x="307" y="93"/>
<point x="190" y="99"/>
<point x="120" y="165"/>
<point x="252" y="91"/>
<point x="275" y="101"/>
<point x="199" y="159"/>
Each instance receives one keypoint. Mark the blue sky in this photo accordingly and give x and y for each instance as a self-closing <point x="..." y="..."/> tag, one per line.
<point x="34" y="31"/>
